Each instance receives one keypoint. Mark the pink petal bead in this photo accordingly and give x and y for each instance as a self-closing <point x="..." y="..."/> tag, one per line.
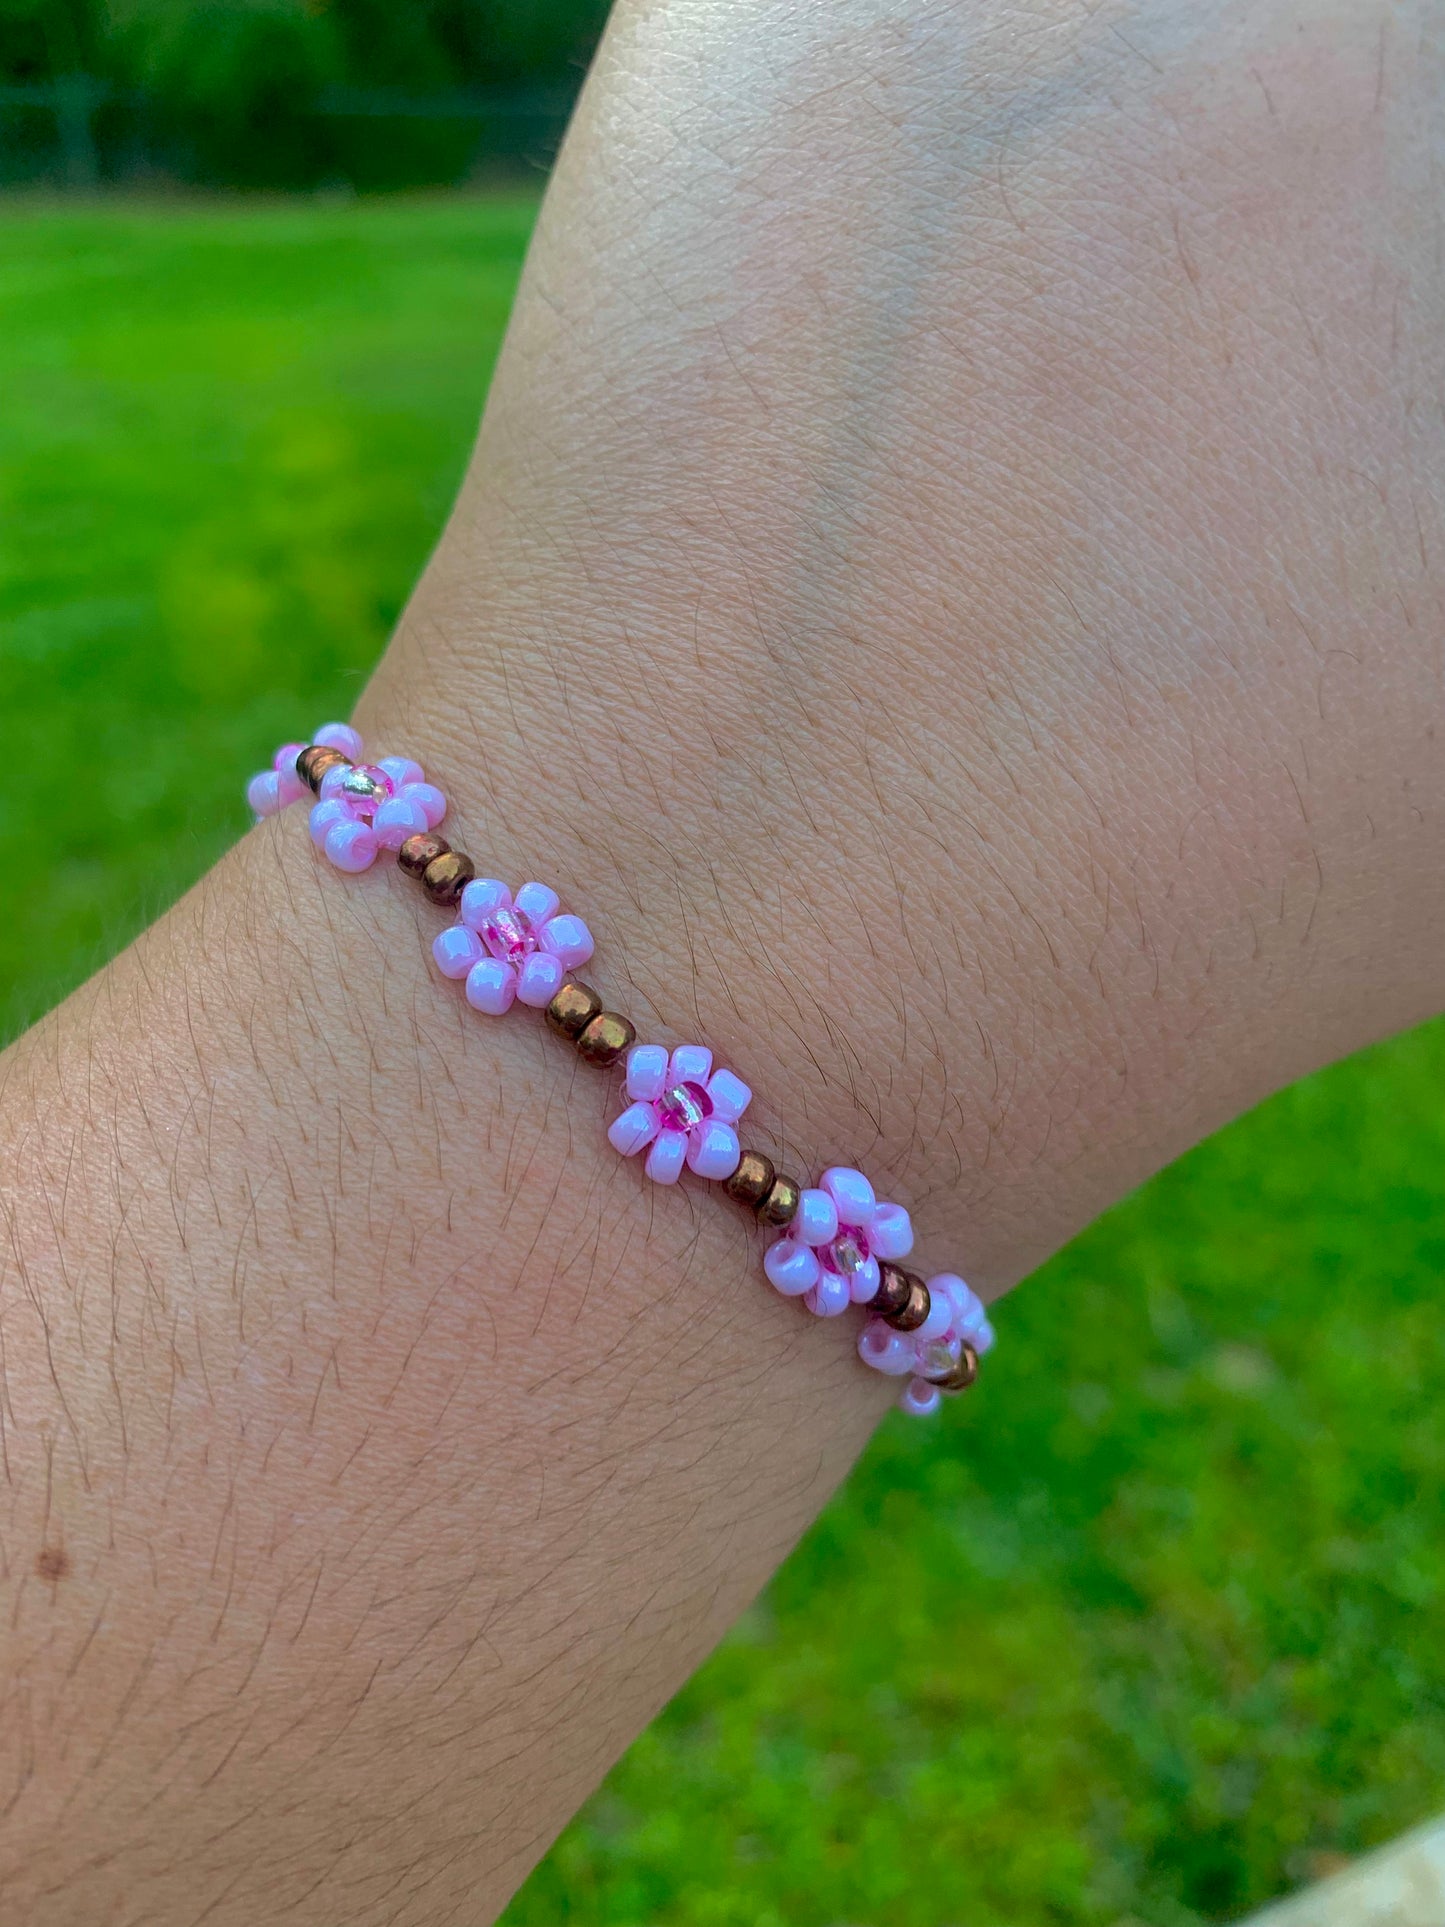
<point x="816" y="1219"/>
<point x="886" y="1350"/>
<point x="567" y="939"/>
<point x="713" y="1150"/>
<point x="829" y="1297"/>
<point x="536" y="901"/>
<point x="396" y="820"/>
<point x="324" y="817"/>
<point x="791" y="1267"/>
<point x="491" y="987"/>
<point x="967" y="1308"/>
<point x="920" y="1399"/>
<point x="285" y="757"/>
<point x="402" y="770"/>
<point x="665" y="1159"/>
<point x="456" y="950"/>
<point x="851" y="1193"/>
<point x="333" y="779"/>
<point x="863" y="1285"/>
<point x="350" y="846"/>
<point x="634" y="1130"/>
<point x="429" y="799"/>
<point x="480" y="898"/>
<point x="340" y="736"/>
<point x="890" y="1232"/>
<point x="290" y="787"/>
<point x="939" y="1320"/>
<point x="982" y="1339"/>
<point x="263" y="793"/>
<point x="730" y="1096"/>
<point x="646" y="1071"/>
<point x="690" y="1064"/>
<point x="539" y="980"/>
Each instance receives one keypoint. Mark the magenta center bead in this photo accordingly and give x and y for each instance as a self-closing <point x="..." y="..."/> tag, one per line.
<point x="365" y="788"/>
<point x="848" y="1252"/>
<point x="508" y="934"/>
<point x="684" y="1106"/>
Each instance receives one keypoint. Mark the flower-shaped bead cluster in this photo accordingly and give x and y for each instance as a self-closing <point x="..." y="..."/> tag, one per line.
<point x="363" y="807"/>
<point x="831" y="1252"/>
<point x="682" y="1112"/>
<point x="956" y="1317"/>
<point x="511" y="948"/>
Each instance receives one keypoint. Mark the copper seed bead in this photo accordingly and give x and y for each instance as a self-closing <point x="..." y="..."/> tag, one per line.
<point x="963" y="1373"/>
<point x="420" y="850"/>
<point x="894" y="1285"/>
<point x="604" y="1037"/>
<point x="445" y="877"/>
<point x="313" y="763"/>
<point x="780" y="1205"/>
<point x="573" y="1008"/>
<point x="915" y="1311"/>
<point x="753" y="1179"/>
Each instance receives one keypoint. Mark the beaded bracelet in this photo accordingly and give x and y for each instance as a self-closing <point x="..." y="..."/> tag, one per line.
<point x="839" y="1243"/>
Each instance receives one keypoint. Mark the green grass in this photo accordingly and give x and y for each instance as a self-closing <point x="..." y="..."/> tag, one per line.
<point x="1152" y="1624"/>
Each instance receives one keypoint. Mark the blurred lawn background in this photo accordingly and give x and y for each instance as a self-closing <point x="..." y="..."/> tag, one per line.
<point x="1149" y="1628"/>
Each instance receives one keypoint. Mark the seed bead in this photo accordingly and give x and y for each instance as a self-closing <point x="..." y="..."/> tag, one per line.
<point x="446" y="876"/>
<point x="573" y="1008"/>
<point x="962" y="1374"/>
<point x="915" y="1311"/>
<point x="894" y="1284"/>
<point x="780" y="1205"/>
<point x="420" y="850"/>
<point x="604" y="1038"/>
<point x="313" y="763"/>
<point x="752" y="1180"/>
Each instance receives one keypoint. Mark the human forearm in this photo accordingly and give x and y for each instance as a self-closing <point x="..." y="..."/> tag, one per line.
<point x="898" y="602"/>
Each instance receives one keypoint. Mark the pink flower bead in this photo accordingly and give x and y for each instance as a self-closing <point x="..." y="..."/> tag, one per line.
<point x="456" y="949"/>
<point x="512" y="934"/>
<point x="263" y="793"/>
<point x="683" y="1109"/>
<point x="920" y="1399"/>
<point x="491" y="986"/>
<point x="517" y="937"/>
<point x="665" y="1159"/>
<point x="397" y="819"/>
<point x="290" y="785"/>
<point x="350" y="846"/>
<point x="569" y="941"/>
<point x="828" y="1298"/>
<point x="324" y="817"/>
<point x="428" y="799"/>
<point x="791" y="1267"/>
<point x="402" y="770"/>
<point x="886" y="1350"/>
<point x="339" y="736"/>
<point x="851" y="1230"/>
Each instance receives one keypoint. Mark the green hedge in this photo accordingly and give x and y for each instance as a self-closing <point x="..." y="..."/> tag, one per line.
<point x="285" y="93"/>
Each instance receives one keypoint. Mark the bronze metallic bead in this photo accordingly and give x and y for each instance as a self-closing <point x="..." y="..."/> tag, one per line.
<point x="313" y="763"/>
<point x="753" y="1179"/>
<point x="573" y="1008"/>
<point x="780" y="1204"/>
<point x="419" y="850"/>
<point x="894" y="1285"/>
<point x="963" y="1373"/>
<point x="445" y="877"/>
<point x="916" y="1309"/>
<point x="604" y="1037"/>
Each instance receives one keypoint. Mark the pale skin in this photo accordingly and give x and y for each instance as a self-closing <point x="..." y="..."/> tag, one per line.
<point x="950" y="586"/>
